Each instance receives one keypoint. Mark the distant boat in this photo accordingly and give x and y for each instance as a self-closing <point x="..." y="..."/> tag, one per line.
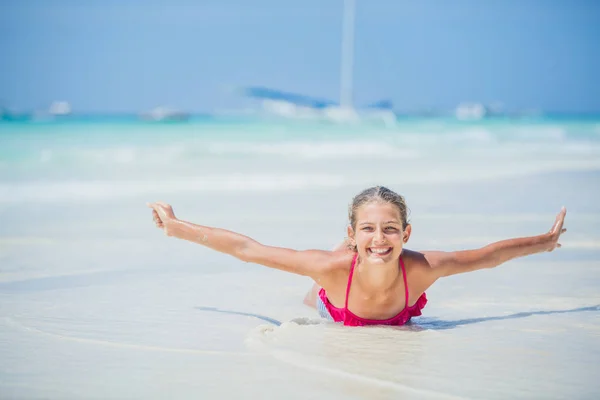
<point x="294" y="105"/>
<point x="59" y="108"/>
<point x="470" y="111"/>
<point x="165" y="114"/>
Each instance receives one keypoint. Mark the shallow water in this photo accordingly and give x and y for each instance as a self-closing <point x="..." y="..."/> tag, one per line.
<point x="97" y="303"/>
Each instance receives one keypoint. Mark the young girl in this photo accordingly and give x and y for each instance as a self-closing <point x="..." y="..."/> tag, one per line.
<point x="371" y="279"/>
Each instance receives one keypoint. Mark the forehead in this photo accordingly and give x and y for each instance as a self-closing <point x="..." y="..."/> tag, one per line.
<point x="375" y="211"/>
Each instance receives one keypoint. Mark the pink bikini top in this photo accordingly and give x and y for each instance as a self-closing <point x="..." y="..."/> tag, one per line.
<point x="350" y="319"/>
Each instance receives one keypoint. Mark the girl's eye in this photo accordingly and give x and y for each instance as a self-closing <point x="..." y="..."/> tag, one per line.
<point x="391" y="229"/>
<point x="367" y="229"/>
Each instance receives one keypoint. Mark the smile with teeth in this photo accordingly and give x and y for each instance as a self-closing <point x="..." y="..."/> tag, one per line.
<point x="380" y="251"/>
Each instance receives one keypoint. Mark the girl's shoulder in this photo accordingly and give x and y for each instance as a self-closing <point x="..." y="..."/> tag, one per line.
<point x="418" y="270"/>
<point x="414" y="260"/>
<point x="341" y="260"/>
<point x="338" y="269"/>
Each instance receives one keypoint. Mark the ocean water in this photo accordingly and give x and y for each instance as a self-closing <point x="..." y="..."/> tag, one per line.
<point x="97" y="303"/>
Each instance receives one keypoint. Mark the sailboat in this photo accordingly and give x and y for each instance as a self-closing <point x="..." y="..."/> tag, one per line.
<point x="345" y="111"/>
<point x="295" y="105"/>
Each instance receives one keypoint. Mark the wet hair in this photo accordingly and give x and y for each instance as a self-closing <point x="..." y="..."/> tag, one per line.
<point x="379" y="194"/>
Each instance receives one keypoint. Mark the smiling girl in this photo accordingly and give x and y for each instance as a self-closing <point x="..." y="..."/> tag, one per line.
<point x="370" y="279"/>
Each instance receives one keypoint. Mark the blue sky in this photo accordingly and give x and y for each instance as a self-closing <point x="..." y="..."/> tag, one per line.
<point x="131" y="55"/>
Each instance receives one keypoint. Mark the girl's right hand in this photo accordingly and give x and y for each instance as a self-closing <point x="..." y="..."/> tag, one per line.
<point x="162" y="214"/>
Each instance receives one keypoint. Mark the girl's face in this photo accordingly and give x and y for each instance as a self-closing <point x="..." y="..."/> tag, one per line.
<point x="378" y="235"/>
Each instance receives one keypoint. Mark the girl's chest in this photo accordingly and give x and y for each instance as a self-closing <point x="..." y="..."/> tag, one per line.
<point x="380" y="305"/>
<point x="383" y="305"/>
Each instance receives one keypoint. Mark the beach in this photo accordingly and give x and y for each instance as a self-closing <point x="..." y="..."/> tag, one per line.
<point x="96" y="303"/>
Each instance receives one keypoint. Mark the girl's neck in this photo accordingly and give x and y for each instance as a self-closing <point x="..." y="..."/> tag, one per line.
<point x="376" y="278"/>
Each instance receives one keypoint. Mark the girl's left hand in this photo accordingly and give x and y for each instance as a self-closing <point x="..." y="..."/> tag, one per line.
<point x="557" y="230"/>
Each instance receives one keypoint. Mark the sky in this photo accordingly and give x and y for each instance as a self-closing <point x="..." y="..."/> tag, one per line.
<point x="133" y="55"/>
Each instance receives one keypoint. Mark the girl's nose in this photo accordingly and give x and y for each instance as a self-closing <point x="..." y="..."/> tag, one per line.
<point x="379" y="237"/>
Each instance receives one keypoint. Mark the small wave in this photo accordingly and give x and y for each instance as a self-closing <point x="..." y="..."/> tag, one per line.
<point x="108" y="155"/>
<point x="508" y="218"/>
<point x="67" y="336"/>
<point x="49" y="191"/>
<point x="361" y="355"/>
<point x="581" y="244"/>
<point x="472" y="136"/>
<point x="582" y="148"/>
<point x="193" y="151"/>
<point x="304" y="362"/>
<point x="537" y="134"/>
<point x="411" y="142"/>
<point x="478" y="241"/>
<point x="313" y="149"/>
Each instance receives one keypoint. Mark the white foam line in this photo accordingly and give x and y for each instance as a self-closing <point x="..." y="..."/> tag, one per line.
<point x="12" y="322"/>
<point x="583" y="244"/>
<point x="106" y="189"/>
<point x="25" y="240"/>
<point x="284" y="356"/>
<point x="12" y="277"/>
<point x="508" y="218"/>
<point x="475" y="241"/>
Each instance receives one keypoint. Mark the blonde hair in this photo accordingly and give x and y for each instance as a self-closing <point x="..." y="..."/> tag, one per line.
<point x="379" y="194"/>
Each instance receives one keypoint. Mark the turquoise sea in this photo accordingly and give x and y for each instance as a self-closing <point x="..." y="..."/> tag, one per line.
<point x="97" y="303"/>
<point x="95" y="147"/>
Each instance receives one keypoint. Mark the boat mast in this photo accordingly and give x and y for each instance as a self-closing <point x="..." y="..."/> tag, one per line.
<point x="347" y="55"/>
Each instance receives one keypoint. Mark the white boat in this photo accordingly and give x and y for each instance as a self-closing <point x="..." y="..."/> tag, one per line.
<point x="59" y="108"/>
<point x="298" y="106"/>
<point x="470" y="111"/>
<point x="165" y="114"/>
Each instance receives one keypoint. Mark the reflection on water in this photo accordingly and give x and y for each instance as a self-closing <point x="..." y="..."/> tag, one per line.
<point x="418" y="324"/>
<point x="431" y="323"/>
<point x="261" y="317"/>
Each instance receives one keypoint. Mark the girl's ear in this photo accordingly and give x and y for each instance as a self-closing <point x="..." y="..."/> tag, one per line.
<point x="351" y="241"/>
<point x="350" y="233"/>
<point x="407" y="233"/>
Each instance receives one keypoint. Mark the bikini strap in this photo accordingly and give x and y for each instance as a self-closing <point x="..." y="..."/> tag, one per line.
<point x="405" y="282"/>
<point x="350" y="279"/>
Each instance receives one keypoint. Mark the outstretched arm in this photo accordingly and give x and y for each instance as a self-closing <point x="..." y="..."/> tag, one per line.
<point x="308" y="262"/>
<point x="451" y="263"/>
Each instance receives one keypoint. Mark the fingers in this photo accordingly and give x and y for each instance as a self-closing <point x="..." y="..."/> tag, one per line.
<point x="157" y="204"/>
<point x="561" y="215"/>
<point x="160" y="204"/>
<point x="558" y="223"/>
<point x="162" y="208"/>
<point x="157" y="221"/>
<point x="156" y="207"/>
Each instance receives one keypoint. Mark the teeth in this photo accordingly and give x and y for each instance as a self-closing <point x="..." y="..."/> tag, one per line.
<point x="380" y="251"/>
